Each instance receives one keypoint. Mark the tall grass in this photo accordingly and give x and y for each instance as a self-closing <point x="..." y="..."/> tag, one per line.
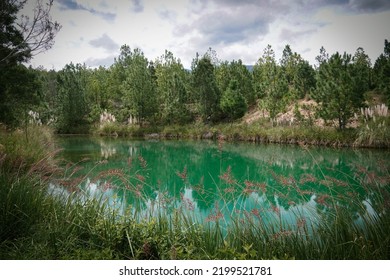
<point x="260" y="132"/>
<point x="37" y="223"/>
<point x="374" y="133"/>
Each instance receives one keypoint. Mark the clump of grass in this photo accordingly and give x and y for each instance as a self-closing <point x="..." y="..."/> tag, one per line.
<point x="114" y="129"/>
<point x="374" y="133"/>
<point x="27" y="160"/>
<point x="134" y="130"/>
<point x="374" y="129"/>
<point x="24" y="148"/>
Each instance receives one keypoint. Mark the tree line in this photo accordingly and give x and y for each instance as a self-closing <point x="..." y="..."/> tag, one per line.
<point x="137" y="90"/>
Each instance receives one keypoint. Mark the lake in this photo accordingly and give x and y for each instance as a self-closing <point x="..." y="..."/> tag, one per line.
<point x="216" y="181"/>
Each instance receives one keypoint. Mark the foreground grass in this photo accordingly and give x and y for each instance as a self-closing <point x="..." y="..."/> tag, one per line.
<point x="37" y="225"/>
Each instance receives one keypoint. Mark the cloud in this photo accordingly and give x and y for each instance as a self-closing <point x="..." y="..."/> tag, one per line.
<point x="70" y="5"/>
<point x="96" y="62"/>
<point x="104" y="42"/>
<point x="138" y="6"/>
<point x="290" y="35"/>
<point x="365" y="6"/>
<point x="226" y="22"/>
<point x="370" y="5"/>
<point x="222" y="27"/>
<point x="169" y="15"/>
<point x="235" y="29"/>
<point x="74" y="6"/>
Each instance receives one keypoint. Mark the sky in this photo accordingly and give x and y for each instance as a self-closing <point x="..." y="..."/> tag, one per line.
<point x="94" y="30"/>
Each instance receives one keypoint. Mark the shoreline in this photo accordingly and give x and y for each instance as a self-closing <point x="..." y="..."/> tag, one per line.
<point x="291" y="135"/>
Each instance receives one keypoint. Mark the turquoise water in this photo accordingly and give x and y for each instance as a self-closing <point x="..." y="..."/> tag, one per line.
<point x="214" y="181"/>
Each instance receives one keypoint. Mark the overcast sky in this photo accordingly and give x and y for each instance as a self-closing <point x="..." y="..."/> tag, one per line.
<point x="93" y="30"/>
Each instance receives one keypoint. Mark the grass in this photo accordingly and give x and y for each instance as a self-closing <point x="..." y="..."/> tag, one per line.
<point x="374" y="133"/>
<point x="258" y="132"/>
<point x="38" y="224"/>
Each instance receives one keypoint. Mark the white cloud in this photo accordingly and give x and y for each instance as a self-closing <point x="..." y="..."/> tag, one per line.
<point x="93" y="31"/>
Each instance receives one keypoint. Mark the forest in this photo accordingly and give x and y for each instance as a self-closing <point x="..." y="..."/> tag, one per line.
<point x="136" y="90"/>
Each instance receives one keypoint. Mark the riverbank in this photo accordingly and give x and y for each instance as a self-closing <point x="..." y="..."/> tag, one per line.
<point x="35" y="224"/>
<point x="259" y="132"/>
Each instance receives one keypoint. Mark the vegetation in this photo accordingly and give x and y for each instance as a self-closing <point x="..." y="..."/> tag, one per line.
<point x="138" y="91"/>
<point x="71" y="102"/>
<point x="375" y="131"/>
<point x="41" y="223"/>
<point x="143" y="95"/>
<point x="139" y="97"/>
<point x="340" y="86"/>
<point x="146" y="97"/>
<point x="233" y="103"/>
<point x="381" y="71"/>
<point x="18" y="44"/>
<point x="257" y="132"/>
<point x="271" y="84"/>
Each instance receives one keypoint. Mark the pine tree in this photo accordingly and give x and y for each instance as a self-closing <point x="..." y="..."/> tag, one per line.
<point x="270" y="83"/>
<point x="336" y="91"/>
<point x="138" y="88"/>
<point x="382" y="72"/>
<point x="72" y="108"/>
<point x="205" y="89"/>
<point x="233" y="103"/>
<point x="171" y="89"/>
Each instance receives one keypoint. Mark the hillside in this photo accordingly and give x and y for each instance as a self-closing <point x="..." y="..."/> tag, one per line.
<point x="304" y="111"/>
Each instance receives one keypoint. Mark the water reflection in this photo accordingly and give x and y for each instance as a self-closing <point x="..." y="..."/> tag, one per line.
<point x="214" y="181"/>
<point x="107" y="151"/>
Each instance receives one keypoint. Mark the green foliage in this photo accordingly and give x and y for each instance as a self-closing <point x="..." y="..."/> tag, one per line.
<point x="11" y="35"/>
<point x="71" y="107"/>
<point x="235" y="70"/>
<point x="270" y="83"/>
<point x="305" y="79"/>
<point x="233" y="103"/>
<point x="97" y="92"/>
<point x="172" y="89"/>
<point x="21" y="149"/>
<point x="138" y="87"/>
<point x="381" y="71"/>
<point x="25" y="162"/>
<point x="19" y="42"/>
<point x="48" y="95"/>
<point x="361" y="72"/>
<point x="139" y="92"/>
<point x="22" y="39"/>
<point x="19" y="92"/>
<point x="338" y="91"/>
<point x="21" y="206"/>
<point x="205" y="89"/>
